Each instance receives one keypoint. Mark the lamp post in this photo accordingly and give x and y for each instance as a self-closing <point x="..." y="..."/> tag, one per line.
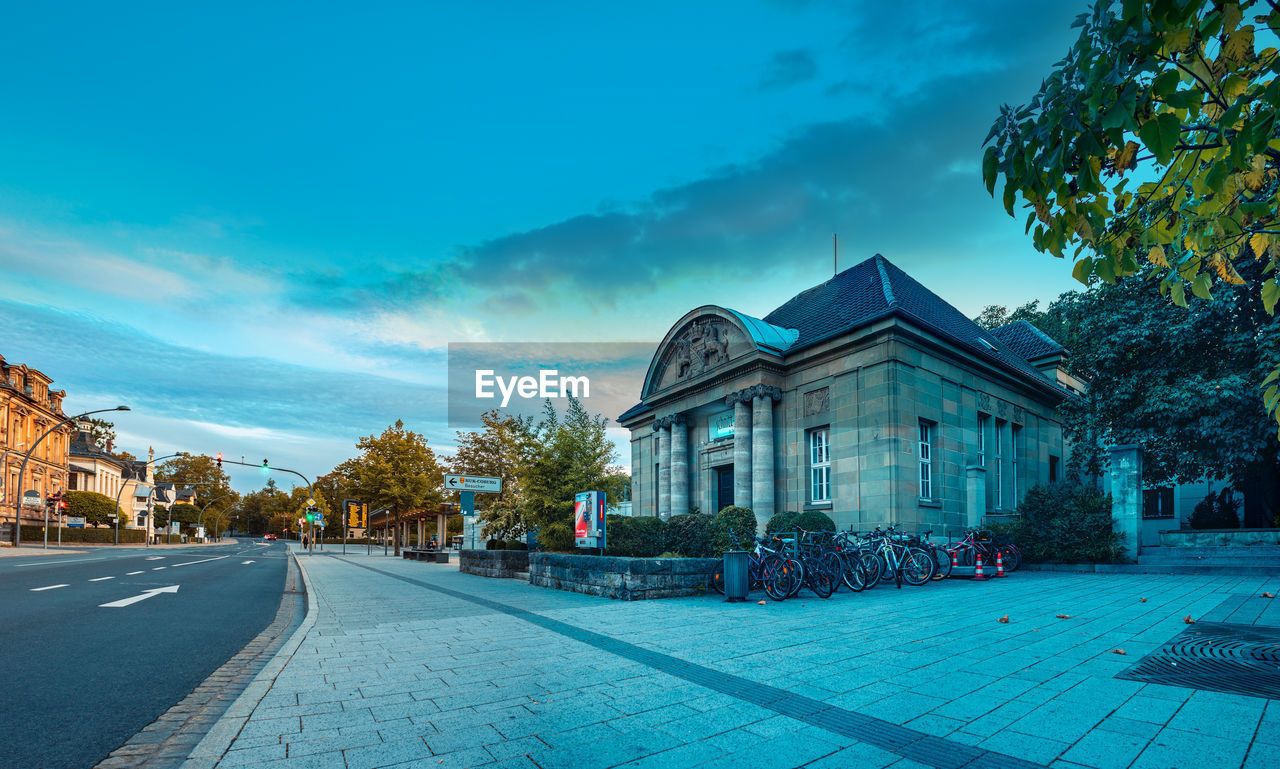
<point x="266" y="467"/>
<point x="200" y="524"/>
<point x="218" y="524"/>
<point x="22" y="471"/>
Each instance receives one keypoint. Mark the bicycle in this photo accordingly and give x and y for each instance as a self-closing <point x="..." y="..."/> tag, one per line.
<point x="766" y="570"/>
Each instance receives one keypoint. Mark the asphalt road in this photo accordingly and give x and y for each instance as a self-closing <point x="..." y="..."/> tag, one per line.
<point x="78" y="679"/>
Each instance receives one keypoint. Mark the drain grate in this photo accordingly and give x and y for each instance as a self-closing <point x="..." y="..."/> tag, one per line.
<point x="1235" y="659"/>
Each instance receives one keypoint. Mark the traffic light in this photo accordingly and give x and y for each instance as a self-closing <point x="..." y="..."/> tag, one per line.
<point x="265" y="468"/>
<point x="219" y="460"/>
<point x="311" y="514"/>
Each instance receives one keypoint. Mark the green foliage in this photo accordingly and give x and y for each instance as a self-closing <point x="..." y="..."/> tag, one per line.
<point x="733" y="528"/>
<point x="95" y="508"/>
<point x="815" y="521"/>
<point x="453" y="525"/>
<point x="690" y="535"/>
<point x="557" y="537"/>
<point x="399" y="471"/>
<point x="1216" y="511"/>
<point x="517" y="544"/>
<point x="785" y="521"/>
<point x="495" y="544"/>
<point x="101" y="431"/>
<point x="184" y="512"/>
<point x="195" y="471"/>
<point x="503" y="449"/>
<point x="641" y="537"/>
<point x="102" y="536"/>
<point x="1065" y="523"/>
<point x="1185" y="83"/>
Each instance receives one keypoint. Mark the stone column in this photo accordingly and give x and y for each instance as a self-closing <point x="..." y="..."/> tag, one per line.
<point x="741" y="451"/>
<point x="762" y="459"/>
<point x="1126" y="498"/>
<point x="679" y="466"/>
<point x="975" y="496"/>
<point x="664" y="471"/>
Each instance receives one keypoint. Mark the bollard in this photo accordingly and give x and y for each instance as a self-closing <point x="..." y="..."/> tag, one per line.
<point x="736" y="581"/>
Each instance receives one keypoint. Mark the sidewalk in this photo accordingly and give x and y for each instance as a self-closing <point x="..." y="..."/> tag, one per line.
<point x="417" y="665"/>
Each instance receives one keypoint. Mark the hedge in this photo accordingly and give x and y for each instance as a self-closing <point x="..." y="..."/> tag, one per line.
<point x="1216" y="511"/>
<point x="734" y="527"/>
<point x="640" y="537"/>
<point x="689" y="535"/>
<point x="815" y="521"/>
<point x="1064" y="523"/>
<point x="89" y="535"/>
<point x="785" y="521"/>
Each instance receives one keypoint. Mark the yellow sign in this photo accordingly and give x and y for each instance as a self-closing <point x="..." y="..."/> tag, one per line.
<point x="357" y="514"/>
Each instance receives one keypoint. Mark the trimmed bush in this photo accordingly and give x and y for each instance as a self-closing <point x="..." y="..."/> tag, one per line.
<point x="516" y="544"/>
<point x="640" y="537"/>
<point x="815" y="521"/>
<point x="495" y="544"/>
<point x="733" y="528"/>
<point x="690" y="535"/>
<point x="1216" y="511"/>
<point x="106" y="535"/>
<point x="785" y="521"/>
<point x="95" y="508"/>
<point x="1064" y="523"/>
<point x="557" y="537"/>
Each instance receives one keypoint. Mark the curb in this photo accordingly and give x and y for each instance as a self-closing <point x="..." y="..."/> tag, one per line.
<point x="210" y="750"/>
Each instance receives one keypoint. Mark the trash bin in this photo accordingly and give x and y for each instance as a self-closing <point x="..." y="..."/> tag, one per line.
<point x="735" y="576"/>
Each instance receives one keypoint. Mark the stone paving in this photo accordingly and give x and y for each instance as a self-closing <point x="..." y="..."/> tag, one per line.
<point x="414" y="664"/>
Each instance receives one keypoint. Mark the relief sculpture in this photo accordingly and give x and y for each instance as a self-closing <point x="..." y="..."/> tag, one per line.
<point x="703" y="346"/>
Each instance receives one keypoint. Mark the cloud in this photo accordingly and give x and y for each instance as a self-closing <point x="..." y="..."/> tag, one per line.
<point x="787" y="68"/>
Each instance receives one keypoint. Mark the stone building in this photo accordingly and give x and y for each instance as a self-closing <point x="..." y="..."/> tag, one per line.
<point x="94" y="468"/>
<point x="867" y="397"/>
<point x="29" y="407"/>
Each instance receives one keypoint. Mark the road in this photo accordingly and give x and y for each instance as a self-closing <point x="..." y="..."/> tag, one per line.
<point x="96" y="646"/>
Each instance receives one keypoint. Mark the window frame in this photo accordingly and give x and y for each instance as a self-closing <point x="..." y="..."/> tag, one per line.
<point x="924" y="455"/>
<point x="819" y="465"/>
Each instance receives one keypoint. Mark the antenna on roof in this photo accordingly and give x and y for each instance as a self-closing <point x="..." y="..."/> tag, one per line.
<point x="835" y="254"/>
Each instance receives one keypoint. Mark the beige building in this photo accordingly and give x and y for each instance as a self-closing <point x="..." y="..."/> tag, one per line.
<point x="29" y="407"/>
<point x="94" y="468"/>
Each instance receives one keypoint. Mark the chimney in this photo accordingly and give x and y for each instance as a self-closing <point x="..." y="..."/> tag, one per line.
<point x="109" y="442"/>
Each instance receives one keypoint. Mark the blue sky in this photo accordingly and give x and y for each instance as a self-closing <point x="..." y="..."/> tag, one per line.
<point x="260" y="225"/>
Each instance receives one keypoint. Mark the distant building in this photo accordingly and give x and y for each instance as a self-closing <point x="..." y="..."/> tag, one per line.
<point x="867" y="397"/>
<point x="92" y="467"/>
<point x="29" y="407"/>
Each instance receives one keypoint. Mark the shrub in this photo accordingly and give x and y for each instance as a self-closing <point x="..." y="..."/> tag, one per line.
<point x="733" y="528"/>
<point x="495" y="544"/>
<point x="815" y="521"/>
<point x="516" y="544"/>
<point x="95" y="508"/>
<point x="105" y="535"/>
<point x="640" y="537"/>
<point x="1064" y="523"/>
<point x="557" y="537"/>
<point x="1216" y="511"/>
<point x="690" y="535"/>
<point x="781" y="522"/>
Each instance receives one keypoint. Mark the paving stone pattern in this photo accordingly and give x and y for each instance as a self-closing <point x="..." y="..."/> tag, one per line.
<point x="414" y="664"/>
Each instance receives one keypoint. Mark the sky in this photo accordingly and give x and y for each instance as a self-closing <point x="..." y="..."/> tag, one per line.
<point x="261" y="225"/>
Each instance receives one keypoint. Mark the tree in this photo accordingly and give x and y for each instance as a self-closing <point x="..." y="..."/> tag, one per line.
<point x="184" y="512"/>
<point x="197" y="471"/>
<point x="95" y="508"/>
<point x="101" y="431"/>
<point x="503" y="450"/>
<point x="568" y="456"/>
<point x="262" y="508"/>
<point x="336" y="485"/>
<point x="297" y="510"/>
<point x="1172" y="97"/>
<point x="397" y="470"/>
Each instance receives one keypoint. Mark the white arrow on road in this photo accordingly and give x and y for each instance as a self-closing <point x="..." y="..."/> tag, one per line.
<point x="245" y="562"/>
<point x="141" y="597"/>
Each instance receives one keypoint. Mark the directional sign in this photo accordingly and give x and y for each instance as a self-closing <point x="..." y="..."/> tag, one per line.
<point x="473" y="483"/>
<point x="31" y="498"/>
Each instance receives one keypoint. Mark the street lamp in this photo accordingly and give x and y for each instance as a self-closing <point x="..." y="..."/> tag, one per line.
<point x="206" y="507"/>
<point x="17" y="516"/>
<point x="218" y="521"/>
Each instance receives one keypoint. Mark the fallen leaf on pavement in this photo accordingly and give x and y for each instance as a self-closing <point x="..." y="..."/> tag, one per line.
<point x="1144" y="600"/>
<point x="1004" y="619"/>
<point x="1187" y="619"/>
<point x="762" y="603"/>
<point x="1119" y="651"/>
<point x="1063" y="616"/>
<point x="1267" y="595"/>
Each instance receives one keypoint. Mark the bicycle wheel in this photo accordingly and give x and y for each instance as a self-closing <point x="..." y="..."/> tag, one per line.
<point x="886" y="568"/>
<point x="796" y="571"/>
<point x="1012" y="557"/>
<point x="942" y="560"/>
<point x="917" y="567"/>
<point x="821" y="577"/>
<point x="852" y="574"/>
<point x="774" y="578"/>
<point x="717" y="577"/>
<point x="871" y="569"/>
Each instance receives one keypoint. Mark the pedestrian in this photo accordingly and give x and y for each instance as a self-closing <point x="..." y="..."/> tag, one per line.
<point x="434" y="545"/>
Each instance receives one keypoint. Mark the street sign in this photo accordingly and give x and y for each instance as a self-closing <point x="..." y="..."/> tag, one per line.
<point x="31" y="498"/>
<point x="473" y="483"/>
<point x="357" y="513"/>
<point x="75" y="522"/>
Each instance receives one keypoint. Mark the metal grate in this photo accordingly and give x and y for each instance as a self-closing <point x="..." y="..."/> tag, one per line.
<point x="1236" y="659"/>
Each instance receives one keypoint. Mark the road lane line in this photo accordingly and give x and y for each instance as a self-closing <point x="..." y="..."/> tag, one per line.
<point x="130" y="574"/>
<point x="246" y="563"/>
<point x="159" y="568"/>
<point x="47" y="587"/>
<point x="144" y="595"/>
<point x="188" y="563"/>
<point x="99" y="579"/>
<point x="46" y="563"/>
<point x="154" y="558"/>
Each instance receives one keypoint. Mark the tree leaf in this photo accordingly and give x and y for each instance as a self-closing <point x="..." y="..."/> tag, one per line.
<point x="1270" y="293"/>
<point x="1239" y="45"/>
<point x="1156" y="257"/>
<point x="1177" y="293"/>
<point x="1160" y="135"/>
<point x="1082" y="270"/>
<point x="1258" y="243"/>
<point x="989" y="170"/>
<point x="1201" y="285"/>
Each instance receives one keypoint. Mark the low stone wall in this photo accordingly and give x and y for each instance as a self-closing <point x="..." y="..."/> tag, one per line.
<point x="1219" y="537"/>
<point x="628" y="579"/>
<point x="494" y="563"/>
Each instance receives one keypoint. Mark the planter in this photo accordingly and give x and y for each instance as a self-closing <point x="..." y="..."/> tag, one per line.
<point x="1219" y="537"/>
<point x="493" y="563"/>
<point x="627" y="579"/>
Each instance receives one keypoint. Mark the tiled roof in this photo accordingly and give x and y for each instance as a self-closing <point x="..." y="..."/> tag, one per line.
<point x="1027" y="340"/>
<point x="875" y="289"/>
<point x="84" y="447"/>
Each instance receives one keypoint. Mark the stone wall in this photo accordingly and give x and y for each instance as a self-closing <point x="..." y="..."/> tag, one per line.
<point x="494" y="563"/>
<point x="1219" y="537"/>
<point x="628" y="579"/>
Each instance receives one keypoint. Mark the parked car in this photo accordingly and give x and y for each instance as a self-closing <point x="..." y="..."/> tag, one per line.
<point x="269" y="536"/>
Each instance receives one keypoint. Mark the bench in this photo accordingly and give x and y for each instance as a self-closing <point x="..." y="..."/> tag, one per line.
<point x="424" y="554"/>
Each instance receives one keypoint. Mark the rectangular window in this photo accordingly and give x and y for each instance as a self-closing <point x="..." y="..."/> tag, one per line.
<point x="997" y="499"/>
<point x="819" y="465"/>
<point x="926" y="460"/>
<point x="1014" y="444"/>
<point x="1053" y="469"/>
<point x="1157" y="503"/>
<point x="983" y="419"/>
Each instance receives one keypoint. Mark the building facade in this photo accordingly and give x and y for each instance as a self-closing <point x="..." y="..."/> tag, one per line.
<point x="94" y="468"/>
<point x="868" y="398"/>
<point x="29" y="407"/>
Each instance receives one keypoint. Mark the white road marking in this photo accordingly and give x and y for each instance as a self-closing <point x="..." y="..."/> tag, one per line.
<point x="246" y="562"/>
<point x="130" y="574"/>
<point x="46" y="563"/>
<point x="188" y="563"/>
<point x="99" y="579"/>
<point x="159" y="568"/>
<point x="47" y="587"/>
<point x="144" y="595"/>
<point x="154" y="558"/>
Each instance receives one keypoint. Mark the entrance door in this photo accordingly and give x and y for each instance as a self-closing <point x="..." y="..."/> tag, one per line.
<point x="724" y="487"/>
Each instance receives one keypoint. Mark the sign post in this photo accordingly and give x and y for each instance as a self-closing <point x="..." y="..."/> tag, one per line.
<point x="467" y="486"/>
